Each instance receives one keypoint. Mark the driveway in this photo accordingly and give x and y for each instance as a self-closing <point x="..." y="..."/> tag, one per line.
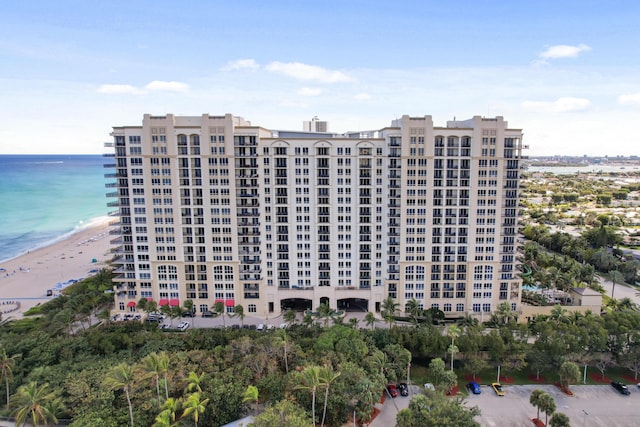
<point x="389" y="409"/>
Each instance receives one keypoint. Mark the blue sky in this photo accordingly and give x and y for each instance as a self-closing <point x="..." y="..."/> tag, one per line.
<point x="566" y="72"/>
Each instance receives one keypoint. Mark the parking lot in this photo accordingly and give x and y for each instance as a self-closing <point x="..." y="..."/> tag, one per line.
<point x="590" y="406"/>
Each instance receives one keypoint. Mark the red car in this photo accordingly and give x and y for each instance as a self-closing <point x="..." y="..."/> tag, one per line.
<point x="393" y="391"/>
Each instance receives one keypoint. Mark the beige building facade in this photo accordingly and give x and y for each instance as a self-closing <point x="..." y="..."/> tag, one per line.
<point x="214" y="209"/>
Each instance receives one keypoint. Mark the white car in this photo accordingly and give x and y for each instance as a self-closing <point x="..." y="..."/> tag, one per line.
<point x="183" y="326"/>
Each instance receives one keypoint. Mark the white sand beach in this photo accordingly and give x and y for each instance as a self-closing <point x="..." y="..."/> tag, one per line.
<point x="27" y="278"/>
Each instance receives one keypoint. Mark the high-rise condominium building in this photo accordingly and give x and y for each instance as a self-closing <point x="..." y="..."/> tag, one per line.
<point x="212" y="209"/>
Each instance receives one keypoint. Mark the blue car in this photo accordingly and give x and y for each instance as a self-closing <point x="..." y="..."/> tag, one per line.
<point x="473" y="387"/>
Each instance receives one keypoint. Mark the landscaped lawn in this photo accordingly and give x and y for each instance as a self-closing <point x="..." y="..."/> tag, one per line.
<point x="420" y="375"/>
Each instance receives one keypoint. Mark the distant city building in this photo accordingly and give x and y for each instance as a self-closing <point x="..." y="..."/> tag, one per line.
<point x="213" y="209"/>
<point x="315" y="125"/>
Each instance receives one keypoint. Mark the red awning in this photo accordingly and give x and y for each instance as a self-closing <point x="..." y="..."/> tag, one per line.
<point x="230" y="303"/>
<point x="131" y="304"/>
<point x="218" y="300"/>
<point x="174" y="302"/>
<point x="150" y="299"/>
<point x="163" y="302"/>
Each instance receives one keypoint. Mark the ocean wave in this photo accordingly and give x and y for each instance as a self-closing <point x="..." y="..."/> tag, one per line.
<point x="42" y="241"/>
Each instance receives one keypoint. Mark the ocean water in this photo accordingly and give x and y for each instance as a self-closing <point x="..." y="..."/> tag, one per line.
<point x="44" y="198"/>
<point x="568" y="170"/>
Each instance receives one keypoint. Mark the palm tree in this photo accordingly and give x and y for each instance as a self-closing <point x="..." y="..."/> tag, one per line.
<point x="168" y="311"/>
<point x="389" y="309"/>
<point x="547" y="405"/>
<point x="194" y="406"/>
<point x="616" y="277"/>
<point x="164" y="369"/>
<point x="120" y="377"/>
<point x="6" y="369"/>
<point x="370" y="319"/>
<point x="453" y="332"/>
<point x="188" y="306"/>
<point x="534" y="399"/>
<point x="289" y="316"/>
<point x="325" y="312"/>
<point x="310" y="380"/>
<point x="504" y="313"/>
<point x="239" y="313"/>
<point x="327" y="377"/>
<point x="152" y="306"/>
<point x="151" y="365"/>
<point x="468" y="320"/>
<point x="32" y="403"/>
<point x="353" y="322"/>
<point x="558" y="314"/>
<point x="413" y="310"/>
<point x="367" y="394"/>
<point x="560" y="420"/>
<point x="251" y="395"/>
<point x="307" y="320"/>
<point x="164" y="420"/>
<point x="170" y="409"/>
<point x="282" y="334"/>
<point x="142" y="305"/>
<point x="218" y="308"/>
<point x="194" y="382"/>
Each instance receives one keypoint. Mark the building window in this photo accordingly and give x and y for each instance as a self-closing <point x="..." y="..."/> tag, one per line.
<point x="252" y="308"/>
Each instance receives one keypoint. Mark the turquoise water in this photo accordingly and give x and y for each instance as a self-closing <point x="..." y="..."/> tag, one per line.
<point x="45" y="197"/>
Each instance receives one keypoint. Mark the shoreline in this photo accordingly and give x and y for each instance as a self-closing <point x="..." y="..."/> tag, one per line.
<point x="91" y="223"/>
<point x="26" y="278"/>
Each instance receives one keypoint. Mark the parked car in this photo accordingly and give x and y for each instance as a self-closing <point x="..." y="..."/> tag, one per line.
<point x="393" y="391"/>
<point x="261" y="327"/>
<point x="207" y="314"/>
<point x="497" y="387"/>
<point x="429" y="386"/>
<point x="622" y="388"/>
<point x="183" y="326"/>
<point x="404" y="389"/>
<point x="155" y="317"/>
<point x="473" y="387"/>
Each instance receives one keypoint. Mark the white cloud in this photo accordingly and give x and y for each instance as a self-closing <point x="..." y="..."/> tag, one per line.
<point x="362" y="96"/>
<point x="167" y="86"/>
<point x="241" y="64"/>
<point x="563" y="51"/>
<point x="304" y="72"/>
<point x="309" y="91"/>
<point x="120" y="90"/>
<point x="561" y="105"/>
<point x="629" y="99"/>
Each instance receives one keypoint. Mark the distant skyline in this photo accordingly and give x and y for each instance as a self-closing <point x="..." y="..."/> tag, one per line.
<point x="567" y="73"/>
